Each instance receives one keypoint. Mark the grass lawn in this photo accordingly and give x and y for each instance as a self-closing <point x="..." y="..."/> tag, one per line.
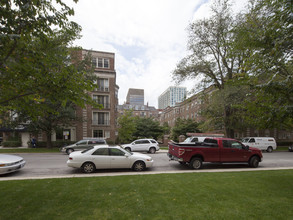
<point x="236" y="195"/>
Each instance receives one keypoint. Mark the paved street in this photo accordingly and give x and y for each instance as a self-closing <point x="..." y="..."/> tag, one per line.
<point x="52" y="165"/>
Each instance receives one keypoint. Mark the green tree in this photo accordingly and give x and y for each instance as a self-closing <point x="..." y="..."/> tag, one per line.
<point x="267" y="36"/>
<point x="126" y="123"/>
<point x="50" y="122"/>
<point x="35" y="62"/>
<point x="184" y="126"/>
<point x="213" y="61"/>
<point x="147" y="128"/>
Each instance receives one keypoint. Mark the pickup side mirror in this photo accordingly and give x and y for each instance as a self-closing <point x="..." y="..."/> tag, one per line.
<point x="245" y="147"/>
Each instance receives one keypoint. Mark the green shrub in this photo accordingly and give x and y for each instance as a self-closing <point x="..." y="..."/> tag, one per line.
<point x="11" y="143"/>
<point x="284" y="143"/>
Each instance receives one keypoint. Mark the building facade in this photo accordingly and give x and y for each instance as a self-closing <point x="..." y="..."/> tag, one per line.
<point x="135" y="103"/>
<point x="135" y="97"/>
<point x="171" y="96"/>
<point x="100" y="122"/>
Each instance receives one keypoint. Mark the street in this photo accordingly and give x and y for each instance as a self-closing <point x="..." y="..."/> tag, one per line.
<point x="52" y="165"/>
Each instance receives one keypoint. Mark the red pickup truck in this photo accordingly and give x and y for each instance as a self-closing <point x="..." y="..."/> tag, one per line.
<point x="217" y="150"/>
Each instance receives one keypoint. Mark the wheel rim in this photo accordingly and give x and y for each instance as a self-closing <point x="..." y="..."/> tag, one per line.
<point x="139" y="166"/>
<point x="88" y="168"/>
<point x="152" y="150"/>
<point x="270" y="149"/>
<point x="196" y="164"/>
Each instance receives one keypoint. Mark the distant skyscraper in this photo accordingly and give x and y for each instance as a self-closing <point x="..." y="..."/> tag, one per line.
<point x="135" y="97"/>
<point x="171" y="96"/>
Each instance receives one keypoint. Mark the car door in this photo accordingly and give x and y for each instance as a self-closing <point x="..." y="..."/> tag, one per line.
<point x="101" y="158"/>
<point x="118" y="159"/>
<point x="233" y="151"/>
<point x="137" y="145"/>
<point x="145" y="145"/>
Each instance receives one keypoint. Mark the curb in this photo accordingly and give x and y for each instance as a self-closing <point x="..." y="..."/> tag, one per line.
<point x="146" y="173"/>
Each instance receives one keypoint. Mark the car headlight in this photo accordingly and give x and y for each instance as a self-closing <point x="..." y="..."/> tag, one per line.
<point x="2" y="165"/>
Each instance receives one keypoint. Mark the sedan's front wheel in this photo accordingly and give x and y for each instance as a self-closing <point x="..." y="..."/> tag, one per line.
<point x="88" y="167"/>
<point x="139" y="166"/>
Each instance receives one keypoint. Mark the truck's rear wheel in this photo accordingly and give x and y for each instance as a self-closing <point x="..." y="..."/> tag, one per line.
<point x="196" y="163"/>
<point x="270" y="149"/>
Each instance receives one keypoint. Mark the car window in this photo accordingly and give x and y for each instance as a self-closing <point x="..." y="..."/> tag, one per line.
<point x="153" y="141"/>
<point x="231" y="144"/>
<point x="145" y="142"/>
<point x="137" y="142"/>
<point x="101" y="151"/>
<point x="81" y="142"/>
<point x="194" y="140"/>
<point x="252" y="140"/>
<point x="96" y="142"/>
<point x="116" y="152"/>
<point x="86" y="150"/>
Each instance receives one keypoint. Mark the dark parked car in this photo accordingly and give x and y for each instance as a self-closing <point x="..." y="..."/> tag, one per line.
<point x="83" y="144"/>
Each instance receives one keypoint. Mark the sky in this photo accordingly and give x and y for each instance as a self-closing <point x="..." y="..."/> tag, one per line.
<point x="148" y="37"/>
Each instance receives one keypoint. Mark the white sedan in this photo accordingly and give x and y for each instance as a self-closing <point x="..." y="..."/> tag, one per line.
<point x="101" y="157"/>
<point x="10" y="163"/>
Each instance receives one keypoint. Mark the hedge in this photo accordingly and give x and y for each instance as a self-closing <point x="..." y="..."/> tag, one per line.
<point x="11" y="143"/>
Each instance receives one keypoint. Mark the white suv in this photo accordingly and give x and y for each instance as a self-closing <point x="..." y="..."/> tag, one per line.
<point x="149" y="145"/>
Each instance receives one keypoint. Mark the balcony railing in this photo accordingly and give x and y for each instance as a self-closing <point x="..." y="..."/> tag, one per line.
<point x="101" y="122"/>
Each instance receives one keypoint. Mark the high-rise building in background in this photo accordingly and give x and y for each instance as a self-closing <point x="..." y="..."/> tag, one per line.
<point x="135" y="97"/>
<point x="171" y="96"/>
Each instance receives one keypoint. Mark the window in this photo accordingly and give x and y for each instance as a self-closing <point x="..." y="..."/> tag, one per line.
<point x="103" y="85"/>
<point x="103" y="63"/>
<point x="116" y="152"/>
<point x="81" y="142"/>
<point x="102" y="99"/>
<point x="101" y="151"/>
<point x="101" y="118"/>
<point x="252" y="140"/>
<point x="231" y="144"/>
<point x="98" y="133"/>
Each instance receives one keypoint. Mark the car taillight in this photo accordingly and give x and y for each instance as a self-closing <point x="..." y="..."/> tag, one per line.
<point x="70" y="158"/>
<point x="181" y="151"/>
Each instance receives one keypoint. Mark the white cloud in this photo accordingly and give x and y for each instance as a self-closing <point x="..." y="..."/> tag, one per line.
<point x="148" y="38"/>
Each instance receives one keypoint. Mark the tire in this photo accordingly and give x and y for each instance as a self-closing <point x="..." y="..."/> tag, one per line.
<point x="196" y="163"/>
<point x="139" y="166"/>
<point x="88" y="167"/>
<point x="254" y="161"/>
<point x="128" y="149"/>
<point x="69" y="151"/>
<point x="152" y="150"/>
<point x="270" y="149"/>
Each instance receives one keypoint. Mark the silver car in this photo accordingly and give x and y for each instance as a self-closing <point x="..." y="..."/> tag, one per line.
<point x="115" y="157"/>
<point x="83" y="144"/>
<point x="148" y="145"/>
<point x="10" y="163"/>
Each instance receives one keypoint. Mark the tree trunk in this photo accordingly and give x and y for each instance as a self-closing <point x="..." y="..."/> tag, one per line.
<point x="229" y="131"/>
<point x="49" y="140"/>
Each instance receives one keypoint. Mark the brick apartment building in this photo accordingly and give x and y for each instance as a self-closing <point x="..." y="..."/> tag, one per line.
<point x="100" y="122"/>
<point x="191" y="109"/>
